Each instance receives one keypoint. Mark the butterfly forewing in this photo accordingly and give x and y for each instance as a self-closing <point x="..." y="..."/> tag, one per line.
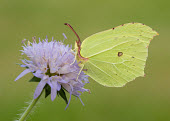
<point x="118" y="55"/>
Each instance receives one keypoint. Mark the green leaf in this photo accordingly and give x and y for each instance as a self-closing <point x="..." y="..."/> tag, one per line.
<point x="63" y="95"/>
<point x="47" y="90"/>
<point x="35" y="79"/>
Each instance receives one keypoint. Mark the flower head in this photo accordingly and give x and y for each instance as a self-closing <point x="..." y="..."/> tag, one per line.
<point x="52" y="63"/>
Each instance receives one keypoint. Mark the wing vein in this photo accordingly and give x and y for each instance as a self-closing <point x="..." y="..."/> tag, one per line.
<point x="104" y="72"/>
<point x="109" y="48"/>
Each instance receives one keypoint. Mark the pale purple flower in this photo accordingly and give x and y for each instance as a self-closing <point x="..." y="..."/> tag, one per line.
<point x="52" y="62"/>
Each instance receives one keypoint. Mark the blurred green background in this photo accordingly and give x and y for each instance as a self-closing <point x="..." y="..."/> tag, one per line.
<point x="145" y="99"/>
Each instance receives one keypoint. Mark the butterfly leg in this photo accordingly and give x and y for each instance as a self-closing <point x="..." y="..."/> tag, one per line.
<point x="79" y="72"/>
<point x="74" y="58"/>
<point x="73" y="61"/>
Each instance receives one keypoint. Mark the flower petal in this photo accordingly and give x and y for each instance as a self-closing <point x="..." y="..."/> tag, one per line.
<point x="40" y="87"/>
<point x="22" y="74"/>
<point x="54" y="88"/>
<point x="38" y="74"/>
<point x="64" y="36"/>
<point x="49" y="83"/>
<point x="68" y="101"/>
<point x="67" y="87"/>
<point x="81" y="100"/>
<point x="65" y="69"/>
<point x="58" y="86"/>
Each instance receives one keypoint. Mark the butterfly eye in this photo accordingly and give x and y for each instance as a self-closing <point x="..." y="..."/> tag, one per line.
<point x="120" y="54"/>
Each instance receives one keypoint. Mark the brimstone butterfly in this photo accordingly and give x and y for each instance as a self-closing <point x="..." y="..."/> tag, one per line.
<point x="115" y="56"/>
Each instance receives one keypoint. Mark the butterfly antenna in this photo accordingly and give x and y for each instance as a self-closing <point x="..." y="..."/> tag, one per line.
<point x="78" y="42"/>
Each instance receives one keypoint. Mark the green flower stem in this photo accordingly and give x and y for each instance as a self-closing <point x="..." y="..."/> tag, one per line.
<point x="29" y="108"/>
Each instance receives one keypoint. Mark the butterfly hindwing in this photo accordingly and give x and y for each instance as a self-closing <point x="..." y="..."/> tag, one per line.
<point x="118" y="55"/>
